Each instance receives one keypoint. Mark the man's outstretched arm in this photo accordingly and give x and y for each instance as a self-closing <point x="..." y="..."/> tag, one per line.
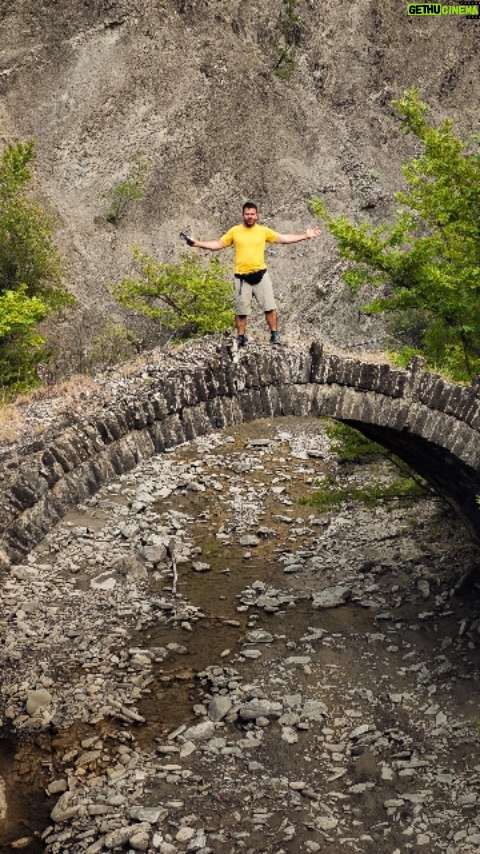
<point x="213" y="245"/>
<point x="296" y="238"/>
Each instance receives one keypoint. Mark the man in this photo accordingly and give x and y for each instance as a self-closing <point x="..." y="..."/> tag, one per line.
<point x="251" y="275"/>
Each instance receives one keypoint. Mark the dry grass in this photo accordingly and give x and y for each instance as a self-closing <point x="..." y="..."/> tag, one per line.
<point x="32" y="413"/>
<point x="73" y="386"/>
<point x="376" y="357"/>
<point x="10" y="422"/>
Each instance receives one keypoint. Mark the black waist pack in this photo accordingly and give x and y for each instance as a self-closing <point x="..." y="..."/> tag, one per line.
<point x="251" y="278"/>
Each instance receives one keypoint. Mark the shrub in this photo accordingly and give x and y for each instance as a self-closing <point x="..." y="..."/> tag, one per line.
<point x="20" y="348"/>
<point x="290" y="28"/>
<point x="190" y="298"/>
<point x="351" y="445"/>
<point x="331" y="496"/>
<point x="130" y="190"/>
<point x="112" y="344"/>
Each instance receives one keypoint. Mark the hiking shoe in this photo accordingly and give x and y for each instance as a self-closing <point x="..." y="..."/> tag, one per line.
<point x="275" y="337"/>
<point x="241" y="340"/>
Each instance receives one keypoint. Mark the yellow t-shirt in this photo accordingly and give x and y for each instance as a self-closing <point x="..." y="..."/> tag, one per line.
<point x="249" y="245"/>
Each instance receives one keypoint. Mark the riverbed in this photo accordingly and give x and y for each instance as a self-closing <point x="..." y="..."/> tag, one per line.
<point x="198" y="659"/>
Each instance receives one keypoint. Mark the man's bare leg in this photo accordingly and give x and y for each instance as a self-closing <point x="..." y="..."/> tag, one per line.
<point x="241" y="323"/>
<point x="272" y="319"/>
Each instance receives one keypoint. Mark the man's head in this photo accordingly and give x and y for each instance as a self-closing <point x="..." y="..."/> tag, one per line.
<point x="250" y="214"/>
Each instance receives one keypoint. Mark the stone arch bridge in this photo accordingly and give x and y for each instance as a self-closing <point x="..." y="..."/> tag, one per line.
<point x="432" y="424"/>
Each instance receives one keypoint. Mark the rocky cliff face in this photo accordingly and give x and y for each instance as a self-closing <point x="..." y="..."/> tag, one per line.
<point x="203" y="89"/>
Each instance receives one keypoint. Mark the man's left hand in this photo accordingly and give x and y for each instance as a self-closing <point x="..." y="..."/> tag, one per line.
<point x="187" y="238"/>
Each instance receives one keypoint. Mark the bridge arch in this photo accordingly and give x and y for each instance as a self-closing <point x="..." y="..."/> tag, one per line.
<point x="432" y="424"/>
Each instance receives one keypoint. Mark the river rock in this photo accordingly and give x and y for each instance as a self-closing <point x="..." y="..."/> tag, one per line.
<point x="219" y="707"/>
<point x="332" y="598"/>
<point x="37" y="700"/>
<point x="200" y="732"/>
<point x="64" y="809"/>
<point x="260" y="709"/>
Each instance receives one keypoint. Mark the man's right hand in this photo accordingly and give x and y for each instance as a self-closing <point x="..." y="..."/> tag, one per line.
<point x="187" y="238"/>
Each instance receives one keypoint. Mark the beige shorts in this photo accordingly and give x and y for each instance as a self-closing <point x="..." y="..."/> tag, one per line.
<point x="263" y="293"/>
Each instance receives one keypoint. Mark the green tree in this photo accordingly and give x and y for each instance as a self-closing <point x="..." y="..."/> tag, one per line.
<point x="190" y="298"/>
<point x="428" y="259"/>
<point x="28" y="255"/>
<point x="30" y="270"/>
